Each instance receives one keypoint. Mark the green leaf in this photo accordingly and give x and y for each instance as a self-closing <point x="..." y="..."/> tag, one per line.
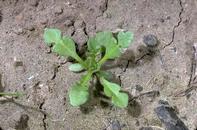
<point x="110" y="89"/>
<point x="65" y="47"/>
<point x="52" y="36"/>
<point x="79" y="92"/>
<point x="78" y="95"/>
<point x="76" y="67"/>
<point x="93" y="45"/>
<point x="112" y="51"/>
<point x="105" y="74"/>
<point x="124" y="39"/>
<point x="120" y="100"/>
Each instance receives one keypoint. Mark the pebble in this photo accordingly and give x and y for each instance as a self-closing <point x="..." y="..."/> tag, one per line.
<point x="17" y="63"/>
<point x="33" y="2"/>
<point x="168" y="117"/>
<point x="18" y="31"/>
<point x="150" y="40"/>
<point x="1" y="84"/>
<point x="79" y="24"/>
<point x="68" y="22"/>
<point x="146" y="128"/>
<point x="114" y="125"/>
<point x="43" y="20"/>
<point x="58" y="10"/>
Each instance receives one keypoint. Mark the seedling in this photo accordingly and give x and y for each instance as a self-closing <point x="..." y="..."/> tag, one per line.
<point x="15" y="94"/>
<point x="100" y="48"/>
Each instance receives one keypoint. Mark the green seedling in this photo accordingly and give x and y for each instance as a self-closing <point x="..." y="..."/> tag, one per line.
<point x="100" y="48"/>
<point x="14" y="94"/>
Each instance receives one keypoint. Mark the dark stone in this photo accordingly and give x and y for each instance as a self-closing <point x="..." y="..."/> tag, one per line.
<point x="1" y="84"/>
<point x="139" y="87"/>
<point x="1" y="18"/>
<point x="168" y="117"/>
<point x="146" y="128"/>
<point x="150" y="40"/>
<point x="23" y="122"/>
<point x="134" y="108"/>
<point x="116" y="125"/>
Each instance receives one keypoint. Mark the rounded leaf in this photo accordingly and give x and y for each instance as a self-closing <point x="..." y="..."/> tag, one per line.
<point x="124" y="39"/>
<point x="120" y="100"/>
<point x="78" y="95"/>
<point x="76" y="67"/>
<point x="52" y="35"/>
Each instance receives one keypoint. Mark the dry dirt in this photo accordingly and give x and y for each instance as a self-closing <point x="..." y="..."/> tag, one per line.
<point x="27" y="65"/>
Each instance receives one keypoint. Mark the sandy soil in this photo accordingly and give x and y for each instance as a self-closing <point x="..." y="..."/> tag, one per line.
<point x="27" y="65"/>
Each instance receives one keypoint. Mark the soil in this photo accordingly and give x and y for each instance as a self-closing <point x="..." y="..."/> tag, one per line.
<point x="148" y="74"/>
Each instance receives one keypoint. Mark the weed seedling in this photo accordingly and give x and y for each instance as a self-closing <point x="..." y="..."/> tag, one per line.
<point x="100" y="48"/>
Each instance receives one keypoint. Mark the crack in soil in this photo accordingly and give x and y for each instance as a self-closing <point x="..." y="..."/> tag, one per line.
<point x="172" y="40"/>
<point x="103" y="11"/>
<point x="55" y="71"/>
<point x="44" y="116"/>
<point x="177" y="25"/>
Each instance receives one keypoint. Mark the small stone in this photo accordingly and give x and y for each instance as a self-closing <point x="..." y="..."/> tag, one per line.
<point x="43" y="20"/>
<point x="17" y="63"/>
<point x="30" y="28"/>
<point x="1" y="84"/>
<point x="68" y="22"/>
<point x="150" y="40"/>
<point x="168" y="117"/>
<point x="114" y="125"/>
<point x="79" y="24"/>
<point x="23" y="122"/>
<point x="139" y="87"/>
<point x="80" y="38"/>
<point x="58" y="10"/>
<point x="33" y="2"/>
<point x="162" y="20"/>
<point x="146" y="128"/>
<point x="18" y="31"/>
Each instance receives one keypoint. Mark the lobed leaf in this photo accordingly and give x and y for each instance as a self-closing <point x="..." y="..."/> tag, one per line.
<point x="113" y="90"/>
<point x="124" y="39"/>
<point x="110" y="89"/>
<point x="65" y="47"/>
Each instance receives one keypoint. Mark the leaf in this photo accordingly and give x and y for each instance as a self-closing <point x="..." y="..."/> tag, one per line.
<point x="93" y="45"/>
<point x="105" y="74"/>
<point x="65" y="47"/>
<point x="112" y="51"/>
<point x="79" y="92"/>
<point x="124" y="39"/>
<point x="120" y="100"/>
<point x="52" y="36"/>
<point x="110" y="89"/>
<point x="78" y="95"/>
<point x="76" y="67"/>
<point x="106" y="40"/>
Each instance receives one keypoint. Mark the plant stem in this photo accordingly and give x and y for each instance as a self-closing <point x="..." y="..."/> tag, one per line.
<point x="17" y="94"/>
<point x="87" y="78"/>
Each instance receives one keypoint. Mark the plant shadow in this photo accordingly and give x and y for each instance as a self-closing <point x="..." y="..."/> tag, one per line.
<point x="129" y="59"/>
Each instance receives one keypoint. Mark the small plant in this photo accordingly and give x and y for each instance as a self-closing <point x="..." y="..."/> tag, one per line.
<point x="14" y="94"/>
<point x="100" y="48"/>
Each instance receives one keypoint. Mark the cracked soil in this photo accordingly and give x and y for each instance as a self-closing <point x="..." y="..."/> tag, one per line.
<point x="168" y="72"/>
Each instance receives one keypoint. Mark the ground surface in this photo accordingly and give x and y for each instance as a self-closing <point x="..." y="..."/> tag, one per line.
<point x="27" y="65"/>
